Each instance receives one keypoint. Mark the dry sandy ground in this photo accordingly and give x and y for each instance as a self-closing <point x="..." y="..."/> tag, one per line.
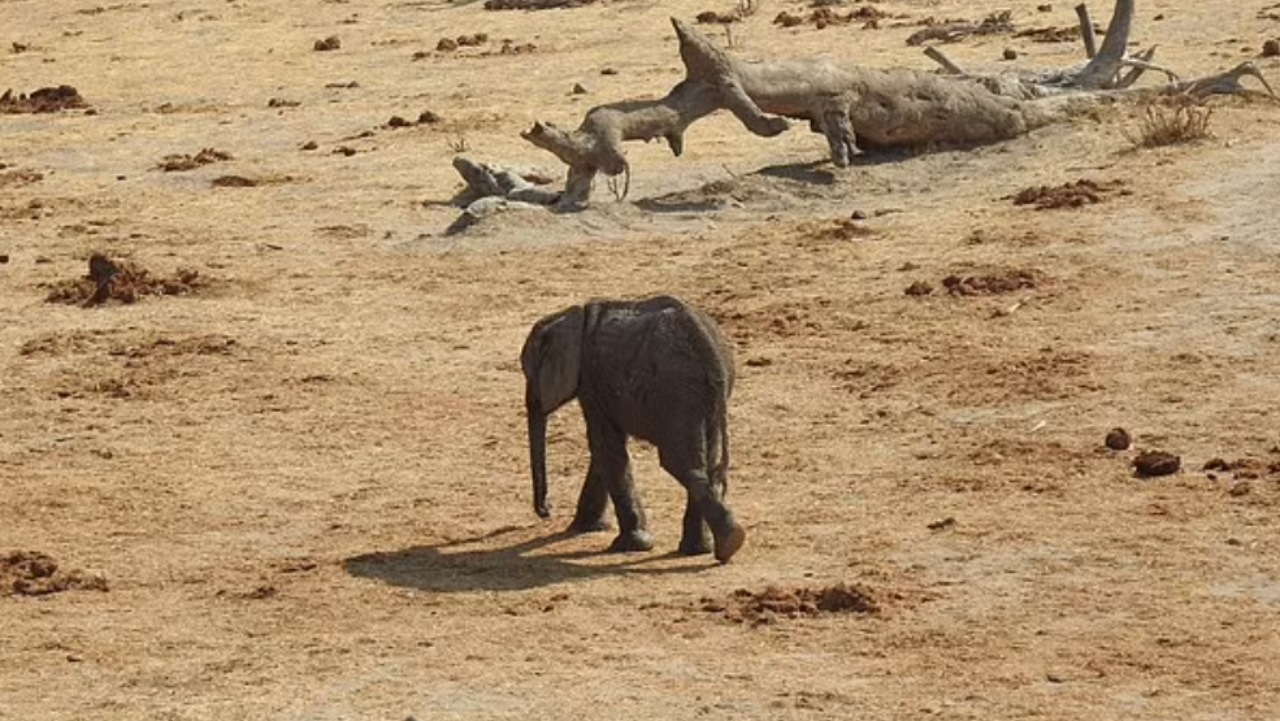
<point x="306" y="486"/>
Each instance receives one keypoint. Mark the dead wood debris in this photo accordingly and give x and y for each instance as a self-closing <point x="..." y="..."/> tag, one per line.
<point x="930" y="111"/>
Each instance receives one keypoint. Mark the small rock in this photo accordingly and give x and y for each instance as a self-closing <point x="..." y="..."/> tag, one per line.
<point x="759" y="362"/>
<point x="945" y="523"/>
<point x="330" y="43"/>
<point x="428" y="117"/>
<point x="398" y="122"/>
<point x="4" y="259"/>
<point x="1240" y="488"/>
<point x="1156" y="463"/>
<point x="447" y="45"/>
<point x="344" y="150"/>
<point x="1054" y="678"/>
<point x="578" y="89"/>
<point x="1234" y="542"/>
<point x="1158" y="18"/>
<point x="1010" y="54"/>
<point x="1045" y="8"/>
<point x="310" y="145"/>
<point x="608" y="71"/>
<point x="1118" y="439"/>
<point x="1271" y="48"/>
<point x="858" y="215"/>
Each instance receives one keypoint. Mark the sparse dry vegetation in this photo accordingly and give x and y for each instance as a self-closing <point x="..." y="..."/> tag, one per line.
<point x="1171" y="121"/>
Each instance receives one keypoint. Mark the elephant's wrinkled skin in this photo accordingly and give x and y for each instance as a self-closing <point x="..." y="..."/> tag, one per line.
<point x="657" y="369"/>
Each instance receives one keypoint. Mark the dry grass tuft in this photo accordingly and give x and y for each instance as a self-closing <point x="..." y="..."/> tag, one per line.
<point x="1182" y="119"/>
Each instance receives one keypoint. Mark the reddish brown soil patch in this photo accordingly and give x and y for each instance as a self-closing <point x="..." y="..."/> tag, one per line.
<point x="711" y="17"/>
<point x="44" y="100"/>
<point x="19" y="178"/>
<point x="534" y="4"/>
<point x="825" y="16"/>
<point x="1156" y="463"/>
<point x="122" y="281"/>
<point x="31" y="573"/>
<point x="1242" y="468"/>
<point x="234" y="181"/>
<point x="845" y="229"/>
<point x="474" y="40"/>
<point x="178" y="163"/>
<point x="994" y="284"/>
<point x="766" y="606"/>
<point x="949" y="31"/>
<point x="1068" y="195"/>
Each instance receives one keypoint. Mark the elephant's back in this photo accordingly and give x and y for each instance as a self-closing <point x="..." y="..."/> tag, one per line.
<point x="660" y="364"/>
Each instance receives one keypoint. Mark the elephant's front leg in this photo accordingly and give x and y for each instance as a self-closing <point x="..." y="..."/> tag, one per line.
<point x="592" y="503"/>
<point x="609" y="461"/>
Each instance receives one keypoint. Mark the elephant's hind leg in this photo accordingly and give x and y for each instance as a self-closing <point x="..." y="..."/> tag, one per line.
<point x="688" y="463"/>
<point x="696" y="538"/>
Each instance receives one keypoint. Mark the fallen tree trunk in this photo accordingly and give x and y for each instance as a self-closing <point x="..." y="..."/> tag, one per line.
<point x="856" y="108"/>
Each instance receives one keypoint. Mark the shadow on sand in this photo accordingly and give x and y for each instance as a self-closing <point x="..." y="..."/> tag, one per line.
<point x="507" y="568"/>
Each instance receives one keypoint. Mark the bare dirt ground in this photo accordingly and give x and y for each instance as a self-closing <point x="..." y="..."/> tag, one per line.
<point x="298" y="487"/>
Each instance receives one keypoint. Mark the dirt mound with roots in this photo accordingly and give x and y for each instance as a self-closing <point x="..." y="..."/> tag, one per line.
<point x="31" y="573"/>
<point x="122" y="281"/>
<point x="763" y="607"/>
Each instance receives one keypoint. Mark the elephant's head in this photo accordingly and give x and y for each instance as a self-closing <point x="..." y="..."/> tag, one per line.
<point x="551" y="359"/>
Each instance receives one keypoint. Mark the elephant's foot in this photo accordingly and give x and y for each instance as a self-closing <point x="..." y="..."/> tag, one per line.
<point x="729" y="542"/>
<point x="696" y="545"/>
<point x="588" y="526"/>
<point x="636" y="540"/>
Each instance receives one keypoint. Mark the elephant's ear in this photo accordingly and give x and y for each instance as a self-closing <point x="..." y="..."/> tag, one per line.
<point x="552" y="358"/>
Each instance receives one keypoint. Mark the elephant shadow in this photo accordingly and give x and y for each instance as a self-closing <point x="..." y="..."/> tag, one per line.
<point x="505" y="568"/>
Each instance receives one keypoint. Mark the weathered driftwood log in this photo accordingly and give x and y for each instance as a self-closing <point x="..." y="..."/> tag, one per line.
<point x="888" y="108"/>
<point x="712" y="82"/>
<point x="857" y="107"/>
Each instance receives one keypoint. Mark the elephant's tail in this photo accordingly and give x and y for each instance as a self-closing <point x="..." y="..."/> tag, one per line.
<point x="718" y="452"/>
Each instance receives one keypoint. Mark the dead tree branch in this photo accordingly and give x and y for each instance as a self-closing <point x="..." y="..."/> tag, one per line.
<point x="1086" y="31"/>
<point x="856" y="108"/>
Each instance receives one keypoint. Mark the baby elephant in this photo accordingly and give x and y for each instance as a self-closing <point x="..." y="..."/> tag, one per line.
<point x="657" y="369"/>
